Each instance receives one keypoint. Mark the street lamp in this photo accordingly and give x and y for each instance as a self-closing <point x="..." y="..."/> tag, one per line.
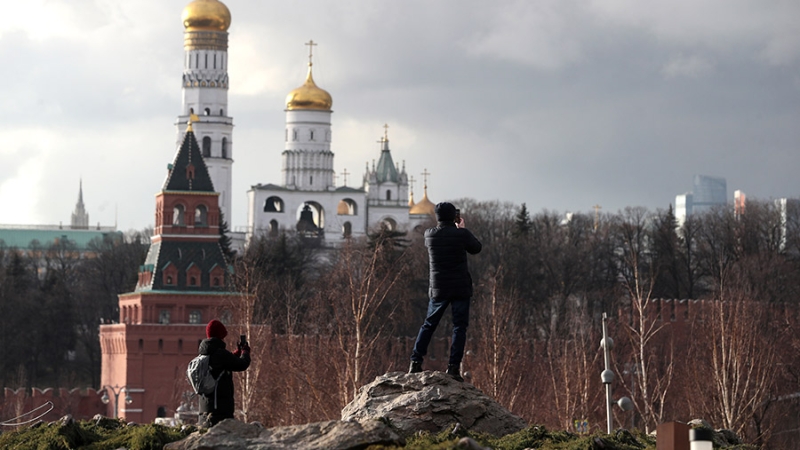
<point x="116" y="390"/>
<point x="607" y="377"/>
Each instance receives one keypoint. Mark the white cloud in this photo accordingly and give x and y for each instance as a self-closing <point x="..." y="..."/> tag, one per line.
<point x="693" y="66"/>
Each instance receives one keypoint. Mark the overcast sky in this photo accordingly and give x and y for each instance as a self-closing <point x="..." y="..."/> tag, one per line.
<point x="561" y="104"/>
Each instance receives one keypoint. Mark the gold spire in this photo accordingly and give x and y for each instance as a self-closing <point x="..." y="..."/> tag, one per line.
<point x="192" y="118"/>
<point x="309" y="96"/>
<point x="207" y="15"/>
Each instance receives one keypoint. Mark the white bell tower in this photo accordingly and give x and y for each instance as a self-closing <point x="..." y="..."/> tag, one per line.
<point x="205" y="92"/>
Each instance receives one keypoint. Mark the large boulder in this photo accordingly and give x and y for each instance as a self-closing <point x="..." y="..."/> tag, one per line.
<point x="332" y="435"/>
<point x="429" y="401"/>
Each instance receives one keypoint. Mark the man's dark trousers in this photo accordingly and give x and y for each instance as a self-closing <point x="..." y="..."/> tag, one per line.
<point x="436" y="308"/>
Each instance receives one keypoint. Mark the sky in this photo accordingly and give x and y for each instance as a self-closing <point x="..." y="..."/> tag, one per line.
<point x="560" y="104"/>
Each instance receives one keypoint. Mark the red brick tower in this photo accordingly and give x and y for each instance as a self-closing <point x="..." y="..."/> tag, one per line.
<point x="182" y="284"/>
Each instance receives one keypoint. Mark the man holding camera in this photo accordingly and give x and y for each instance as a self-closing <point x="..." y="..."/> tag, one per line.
<point x="219" y="405"/>
<point x="450" y="284"/>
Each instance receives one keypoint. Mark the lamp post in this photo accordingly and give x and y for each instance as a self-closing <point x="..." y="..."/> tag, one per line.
<point x="116" y="390"/>
<point x="607" y="376"/>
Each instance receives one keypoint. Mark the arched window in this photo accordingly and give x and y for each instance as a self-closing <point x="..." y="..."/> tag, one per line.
<point x="160" y="345"/>
<point x="207" y="112"/>
<point x="206" y="147"/>
<point x="191" y="110"/>
<point x="347" y="207"/>
<point x="312" y="135"/>
<point x="347" y="229"/>
<point x="273" y="204"/>
<point x="216" y="281"/>
<point x="273" y="227"/>
<point x="169" y="279"/>
<point x="294" y="135"/>
<point x="192" y="281"/>
<point x="177" y="215"/>
<point x="221" y="112"/>
<point x="201" y="216"/>
<point x="388" y="194"/>
<point x="388" y="224"/>
<point x="224" y="147"/>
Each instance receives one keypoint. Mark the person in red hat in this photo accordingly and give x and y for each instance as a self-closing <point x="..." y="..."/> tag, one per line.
<point x="219" y="405"/>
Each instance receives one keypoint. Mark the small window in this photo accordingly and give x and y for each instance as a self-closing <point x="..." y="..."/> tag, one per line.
<point x="195" y="317"/>
<point x="141" y="345"/>
<point x="177" y="215"/>
<point x="192" y="281"/>
<point x="388" y="194"/>
<point x="201" y="216"/>
<point x="206" y="147"/>
<point x="160" y="345"/>
<point x="224" y="148"/>
<point x="207" y="112"/>
<point x="312" y="135"/>
<point x="221" y="112"/>
<point x="294" y="135"/>
<point x="169" y="280"/>
<point x="273" y="227"/>
<point x="163" y="317"/>
<point x="216" y="281"/>
<point x="191" y="110"/>
<point x="347" y="230"/>
<point x="311" y="179"/>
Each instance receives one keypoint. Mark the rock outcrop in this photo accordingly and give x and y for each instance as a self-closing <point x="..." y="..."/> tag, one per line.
<point x="429" y="401"/>
<point x="332" y="435"/>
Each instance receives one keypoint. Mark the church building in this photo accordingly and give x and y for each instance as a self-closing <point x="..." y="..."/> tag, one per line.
<point x="185" y="279"/>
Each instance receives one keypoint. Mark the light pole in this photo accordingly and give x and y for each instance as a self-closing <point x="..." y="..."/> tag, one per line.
<point x="116" y="390"/>
<point x="607" y="376"/>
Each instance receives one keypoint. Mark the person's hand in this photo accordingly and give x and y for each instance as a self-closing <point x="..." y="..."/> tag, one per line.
<point x="238" y="352"/>
<point x="460" y="223"/>
<point x="245" y="349"/>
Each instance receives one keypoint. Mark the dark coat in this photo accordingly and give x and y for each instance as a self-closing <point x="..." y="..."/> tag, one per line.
<point x="447" y="249"/>
<point x="225" y="362"/>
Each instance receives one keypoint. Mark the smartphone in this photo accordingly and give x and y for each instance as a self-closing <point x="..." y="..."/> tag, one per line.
<point x="458" y="216"/>
<point x="242" y="340"/>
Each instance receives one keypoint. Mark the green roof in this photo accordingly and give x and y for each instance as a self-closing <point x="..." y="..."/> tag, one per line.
<point x="24" y="238"/>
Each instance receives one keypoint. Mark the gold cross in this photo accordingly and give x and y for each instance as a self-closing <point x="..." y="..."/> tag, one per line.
<point x="411" y="182"/>
<point x="345" y="174"/>
<point x="310" y="45"/>
<point x="386" y="131"/>
<point x="425" y="174"/>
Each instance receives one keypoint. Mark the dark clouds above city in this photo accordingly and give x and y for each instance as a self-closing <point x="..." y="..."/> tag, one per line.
<point x="559" y="104"/>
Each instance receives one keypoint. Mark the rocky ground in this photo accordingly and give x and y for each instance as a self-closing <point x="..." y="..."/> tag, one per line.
<point x="429" y="410"/>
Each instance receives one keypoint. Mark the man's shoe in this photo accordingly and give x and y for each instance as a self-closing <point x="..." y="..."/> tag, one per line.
<point x="454" y="370"/>
<point x="416" y="367"/>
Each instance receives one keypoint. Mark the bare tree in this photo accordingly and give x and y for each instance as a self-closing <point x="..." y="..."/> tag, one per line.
<point x="654" y="366"/>
<point x="361" y="293"/>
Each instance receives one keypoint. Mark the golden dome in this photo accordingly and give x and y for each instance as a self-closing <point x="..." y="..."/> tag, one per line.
<point x="309" y="96"/>
<point x="424" y="206"/>
<point x="211" y="15"/>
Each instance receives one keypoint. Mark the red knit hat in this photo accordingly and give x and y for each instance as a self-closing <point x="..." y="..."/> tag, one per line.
<point x="216" y="329"/>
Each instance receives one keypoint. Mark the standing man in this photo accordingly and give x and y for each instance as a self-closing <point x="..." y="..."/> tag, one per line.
<point x="218" y="405"/>
<point x="450" y="284"/>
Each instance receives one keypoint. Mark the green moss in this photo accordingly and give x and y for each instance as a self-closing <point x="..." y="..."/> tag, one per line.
<point x="106" y="434"/>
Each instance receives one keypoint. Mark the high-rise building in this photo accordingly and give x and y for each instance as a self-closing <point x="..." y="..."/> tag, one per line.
<point x="708" y="192"/>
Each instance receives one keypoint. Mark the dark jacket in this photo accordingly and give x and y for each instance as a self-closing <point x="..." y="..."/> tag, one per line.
<point x="225" y="362"/>
<point x="447" y="249"/>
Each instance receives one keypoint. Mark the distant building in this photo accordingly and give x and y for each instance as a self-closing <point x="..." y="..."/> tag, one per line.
<point x="76" y="239"/>
<point x="708" y="192"/>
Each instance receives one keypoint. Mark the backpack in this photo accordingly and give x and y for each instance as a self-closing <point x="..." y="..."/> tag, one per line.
<point x="199" y="374"/>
